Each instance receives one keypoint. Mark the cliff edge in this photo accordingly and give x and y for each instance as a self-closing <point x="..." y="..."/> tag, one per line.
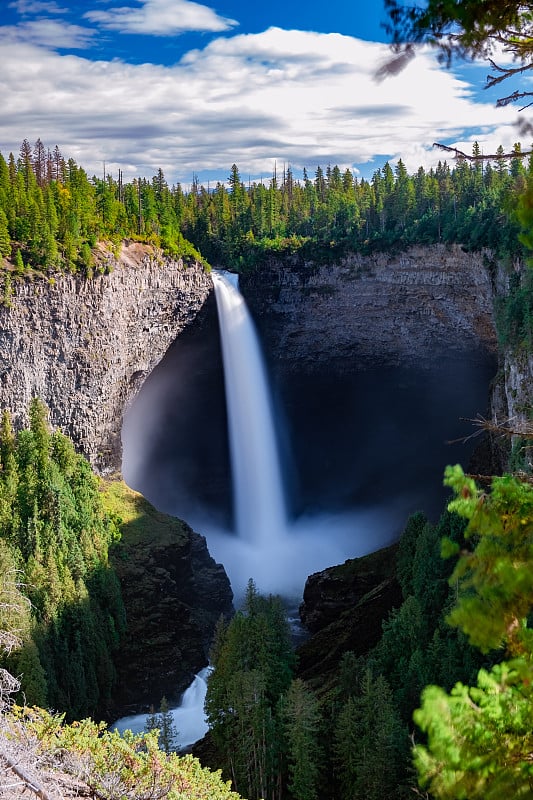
<point x="85" y="346"/>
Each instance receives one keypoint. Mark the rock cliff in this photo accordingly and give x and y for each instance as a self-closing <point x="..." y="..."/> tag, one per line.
<point x="85" y="346"/>
<point x="512" y="406"/>
<point x="173" y="593"/>
<point x="344" y="607"/>
<point x="511" y="392"/>
<point x="406" y="308"/>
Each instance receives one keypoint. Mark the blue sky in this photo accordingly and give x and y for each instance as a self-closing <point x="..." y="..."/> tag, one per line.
<point x="193" y="88"/>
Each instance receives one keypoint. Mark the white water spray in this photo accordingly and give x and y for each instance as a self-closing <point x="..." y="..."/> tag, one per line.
<point x="188" y="718"/>
<point x="259" y="502"/>
<point x="277" y="554"/>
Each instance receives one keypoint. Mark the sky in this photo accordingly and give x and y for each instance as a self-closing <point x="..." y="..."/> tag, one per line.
<point x="139" y="85"/>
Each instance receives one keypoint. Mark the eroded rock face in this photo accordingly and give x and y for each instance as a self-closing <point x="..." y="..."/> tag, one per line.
<point x="382" y="309"/>
<point x="84" y="347"/>
<point x="512" y="404"/>
<point x="344" y="607"/>
<point x="174" y="593"/>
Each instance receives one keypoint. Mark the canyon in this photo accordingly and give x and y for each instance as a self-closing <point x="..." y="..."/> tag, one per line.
<point x="87" y="346"/>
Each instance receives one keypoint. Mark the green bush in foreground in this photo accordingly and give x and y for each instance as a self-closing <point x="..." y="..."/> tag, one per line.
<point x="114" y="766"/>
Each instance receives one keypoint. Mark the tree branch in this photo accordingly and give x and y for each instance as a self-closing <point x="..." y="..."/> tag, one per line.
<point x="30" y="782"/>
<point x="459" y="154"/>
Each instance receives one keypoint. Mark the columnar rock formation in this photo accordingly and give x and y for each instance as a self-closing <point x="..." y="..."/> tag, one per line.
<point x="85" y="346"/>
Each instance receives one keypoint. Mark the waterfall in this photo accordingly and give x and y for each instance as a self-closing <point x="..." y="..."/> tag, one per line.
<point x="258" y="497"/>
<point x="276" y="553"/>
<point x="188" y="717"/>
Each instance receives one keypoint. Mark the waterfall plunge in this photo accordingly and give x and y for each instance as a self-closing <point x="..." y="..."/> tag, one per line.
<point x="276" y="553"/>
<point x="188" y="718"/>
<point x="259" y="502"/>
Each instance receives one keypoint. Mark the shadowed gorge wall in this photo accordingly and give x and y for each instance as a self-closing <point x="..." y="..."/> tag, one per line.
<point x="373" y="360"/>
<point x="384" y="309"/>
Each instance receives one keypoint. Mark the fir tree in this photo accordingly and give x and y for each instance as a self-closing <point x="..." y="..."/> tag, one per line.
<point x="302" y="731"/>
<point x="479" y="737"/>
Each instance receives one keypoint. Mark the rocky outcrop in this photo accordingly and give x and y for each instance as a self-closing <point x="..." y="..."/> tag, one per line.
<point x="344" y="607"/>
<point x="173" y="592"/>
<point x="406" y="308"/>
<point x="512" y="407"/>
<point x="85" y="346"/>
<point x="511" y="392"/>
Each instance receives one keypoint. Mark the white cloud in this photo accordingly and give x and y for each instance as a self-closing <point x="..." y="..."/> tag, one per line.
<point x="161" y="18"/>
<point x="291" y="96"/>
<point x="50" y="33"/>
<point x="32" y="7"/>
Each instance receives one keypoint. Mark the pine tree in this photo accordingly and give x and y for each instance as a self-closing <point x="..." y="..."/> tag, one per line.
<point x="5" y="240"/>
<point x="18" y="262"/>
<point x="253" y="660"/>
<point x="370" y="742"/>
<point x="168" y="733"/>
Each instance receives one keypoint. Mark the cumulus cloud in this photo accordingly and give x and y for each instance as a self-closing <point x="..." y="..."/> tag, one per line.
<point x="291" y="96"/>
<point x="160" y="18"/>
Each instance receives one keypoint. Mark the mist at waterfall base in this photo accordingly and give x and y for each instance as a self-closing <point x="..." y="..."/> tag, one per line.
<point x="359" y="452"/>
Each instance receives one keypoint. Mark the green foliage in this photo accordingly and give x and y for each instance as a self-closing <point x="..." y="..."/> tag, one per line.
<point x="467" y="29"/>
<point x="55" y="530"/>
<point x="495" y="580"/>
<point x="417" y="646"/>
<point x="479" y="737"/>
<point x="302" y="718"/>
<point x="253" y="662"/>
<point x="407" y="550"/>
<point x="52" y="214"/>
<point x="114" y="766"/>
<point x="514" y="311"/>
<point x="370" y="742"/>
<point x="55" y="216"/>
<point x="163" y="723"/>
<point x="5" y="241"/>
<point x="370" y="717"/>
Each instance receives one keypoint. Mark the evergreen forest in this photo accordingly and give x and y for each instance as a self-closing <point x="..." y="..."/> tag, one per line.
<point x="54" y="218"/>
<point x="52" y="214"/>
<point x="442" y="706"/>
<point x="55" y="538"/>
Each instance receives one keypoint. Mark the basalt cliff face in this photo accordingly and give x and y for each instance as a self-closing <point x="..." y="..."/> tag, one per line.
<point x="84" y="347"/>
<point x="382" y="309"/>
<point x="512" y="407"/>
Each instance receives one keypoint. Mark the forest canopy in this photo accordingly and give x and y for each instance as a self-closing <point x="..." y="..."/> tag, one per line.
<point x="55" y="534"/>
<point x="52" y="215"/>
